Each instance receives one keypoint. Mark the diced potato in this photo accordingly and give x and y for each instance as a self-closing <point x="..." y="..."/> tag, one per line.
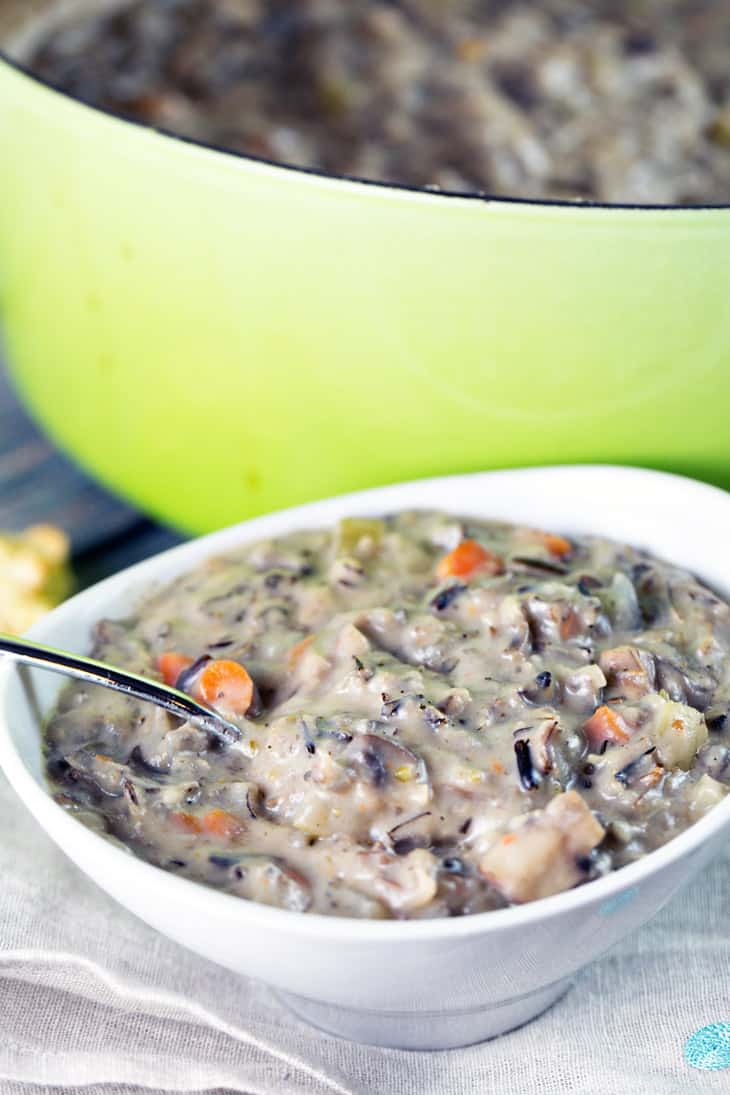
<point x="529" y="863"/>
<point x="310" y="671"/>
<point x="541" y="857"/>
<point x="403" y="883"/>
<point x="410" y="882"/>
<point x="679" y="732"/>
<point x="582" y="830"/>
<point x="705" y="794"/>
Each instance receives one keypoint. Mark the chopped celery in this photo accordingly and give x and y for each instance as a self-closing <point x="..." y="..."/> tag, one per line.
<point x="359" y="536"/>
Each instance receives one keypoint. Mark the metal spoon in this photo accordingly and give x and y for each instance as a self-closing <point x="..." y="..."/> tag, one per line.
<point x="119" y="680"/>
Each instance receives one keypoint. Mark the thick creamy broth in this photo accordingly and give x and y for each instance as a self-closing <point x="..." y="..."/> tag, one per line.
<point x="439" y="716"/>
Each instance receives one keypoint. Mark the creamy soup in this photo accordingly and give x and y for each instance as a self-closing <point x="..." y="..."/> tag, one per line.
<point x="438" y="716"/>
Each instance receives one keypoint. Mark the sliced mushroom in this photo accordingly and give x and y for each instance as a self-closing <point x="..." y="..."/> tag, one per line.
<point x="697" y="691"/>
<point x="554" y="621"/>
<point x="93" y="766"/>
<point x="382" y="760"/>
<point x="652" y="594"/>
<point x="421" y="640"/>
<point x="239" y="796"/>
<point x="714" y="759"/>
<point x="140" y="765"/>
<point x="105" y="779"/>
<point x="630" y="672"/>
<point x="717" y="718"/>
<point x="510" y="619"/>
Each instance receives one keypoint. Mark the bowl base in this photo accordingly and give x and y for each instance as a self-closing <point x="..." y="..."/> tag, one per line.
<point x="427" y="1030"/>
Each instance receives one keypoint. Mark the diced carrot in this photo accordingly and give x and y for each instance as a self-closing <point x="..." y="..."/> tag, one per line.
<point x="226" y="685"/>
<point x="510" y="838"/>
<point x="605" y="725"/>
<point x="297" y="650"/>
<point x="557" y="545"/>
<point x="171" y="665"/>
<point x="222" y="824"/>
<point x="468" y="559"/>
<point x="497" y="767"/>
<point x="570" y="624"/>
<point x="188" y="823"/>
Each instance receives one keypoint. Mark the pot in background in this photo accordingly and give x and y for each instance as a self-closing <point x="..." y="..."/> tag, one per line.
<point x="215" y="337"/>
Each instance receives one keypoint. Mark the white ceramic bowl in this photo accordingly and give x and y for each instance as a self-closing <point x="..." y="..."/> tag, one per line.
<point x="424" y="984"/>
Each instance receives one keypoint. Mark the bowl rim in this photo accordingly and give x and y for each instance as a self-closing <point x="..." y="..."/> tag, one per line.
<point x="619" y="884"/>
<point x="344" y="181"/>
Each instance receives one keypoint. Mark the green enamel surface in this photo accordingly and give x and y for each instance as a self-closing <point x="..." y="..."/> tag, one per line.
<point x="215" y="338"/>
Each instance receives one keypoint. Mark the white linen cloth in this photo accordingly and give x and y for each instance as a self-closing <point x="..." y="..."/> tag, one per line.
<point x="93" y="1000"/>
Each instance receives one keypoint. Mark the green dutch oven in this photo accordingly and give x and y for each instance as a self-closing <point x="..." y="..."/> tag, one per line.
<point x="215" y="336"/>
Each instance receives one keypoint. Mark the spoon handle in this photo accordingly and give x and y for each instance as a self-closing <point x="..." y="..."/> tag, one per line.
<point x="119" y="680"/>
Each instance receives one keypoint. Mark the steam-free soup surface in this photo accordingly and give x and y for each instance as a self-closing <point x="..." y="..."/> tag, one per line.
<point x="438" y="716"/>
<point x="611" y="100"/>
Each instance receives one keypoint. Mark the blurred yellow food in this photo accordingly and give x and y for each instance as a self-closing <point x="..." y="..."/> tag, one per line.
<point x="34" y="575"/>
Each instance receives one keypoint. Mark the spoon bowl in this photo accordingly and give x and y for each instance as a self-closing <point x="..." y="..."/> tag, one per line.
<point x="64" y="663"/>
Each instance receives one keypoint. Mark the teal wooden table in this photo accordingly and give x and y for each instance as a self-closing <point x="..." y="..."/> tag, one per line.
<point x="38" y="484"/>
